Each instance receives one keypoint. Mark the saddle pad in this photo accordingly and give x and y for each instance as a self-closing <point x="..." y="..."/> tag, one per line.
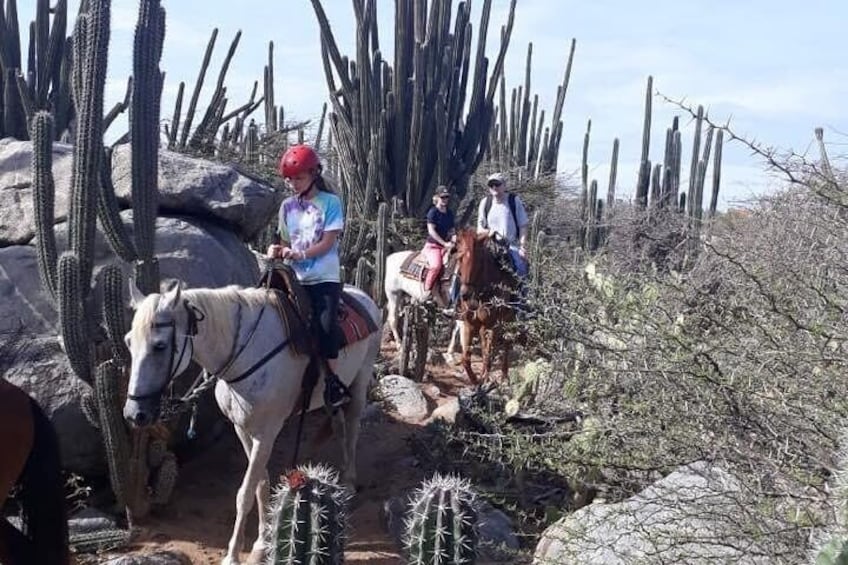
<point x="414" y="267"/>
<point x="354" y="321"/>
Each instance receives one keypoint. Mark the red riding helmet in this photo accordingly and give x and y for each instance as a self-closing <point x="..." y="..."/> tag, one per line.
<point x="298" y="159"/>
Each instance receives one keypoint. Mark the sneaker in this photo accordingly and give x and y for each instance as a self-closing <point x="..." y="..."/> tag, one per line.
<point x="335" y="392"/>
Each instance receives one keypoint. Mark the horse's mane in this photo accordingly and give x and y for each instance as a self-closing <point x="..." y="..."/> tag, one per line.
<point x="215" y="304"/>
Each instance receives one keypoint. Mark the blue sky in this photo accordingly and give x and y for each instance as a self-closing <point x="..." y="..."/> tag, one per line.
<point x="776" y="69"/>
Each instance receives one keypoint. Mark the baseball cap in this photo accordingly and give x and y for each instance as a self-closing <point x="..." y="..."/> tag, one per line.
<point x="442" y="189"/>
<point x="497" y="177"/>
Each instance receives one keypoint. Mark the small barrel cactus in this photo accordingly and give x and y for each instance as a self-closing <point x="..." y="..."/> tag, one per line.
<point x="308" y="517"/>
<point x="440" y="528"/>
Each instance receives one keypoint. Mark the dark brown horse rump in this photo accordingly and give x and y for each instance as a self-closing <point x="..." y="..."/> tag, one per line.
<point x="30" y="462"/>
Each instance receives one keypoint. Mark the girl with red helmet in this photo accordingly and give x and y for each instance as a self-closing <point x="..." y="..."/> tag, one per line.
<point x="310" y="222"/>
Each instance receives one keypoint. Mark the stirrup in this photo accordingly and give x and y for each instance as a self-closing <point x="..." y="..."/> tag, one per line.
<point x="335" y="391"/>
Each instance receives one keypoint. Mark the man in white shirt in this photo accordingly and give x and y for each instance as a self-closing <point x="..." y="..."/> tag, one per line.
<point x="503" y="214"/>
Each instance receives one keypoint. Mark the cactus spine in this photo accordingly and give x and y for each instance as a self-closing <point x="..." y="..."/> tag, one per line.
<point x="308" y="515"/>
<point x="440" y="527"/>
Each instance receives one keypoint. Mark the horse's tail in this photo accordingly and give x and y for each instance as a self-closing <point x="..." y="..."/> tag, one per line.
<point x="42" y="494"/>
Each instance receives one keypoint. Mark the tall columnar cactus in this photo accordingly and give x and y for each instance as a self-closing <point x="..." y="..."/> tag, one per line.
<point x="381" y="252"/>
<point x="115" y="439"/>
<point x="44" y="198"/>
<point x="516" y="137"/>
<point x="144" y="132"/>
<point x="413" y="108"/>
<point x="308" y="519"/>
<point x="440" y="527"/>
<point x="644" y="180"/>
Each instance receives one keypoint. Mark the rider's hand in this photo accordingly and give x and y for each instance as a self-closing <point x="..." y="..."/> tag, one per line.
<point x="287" y="253"/>
<point x="274" y="251"/>
<point x="522" y="252"/>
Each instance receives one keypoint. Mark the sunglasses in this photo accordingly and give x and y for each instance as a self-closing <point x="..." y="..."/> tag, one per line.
<point x="495" y="183"/>
<point x="444" y="197"/>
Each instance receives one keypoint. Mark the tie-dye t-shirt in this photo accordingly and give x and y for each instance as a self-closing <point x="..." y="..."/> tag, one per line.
<point x="303" y="223"/>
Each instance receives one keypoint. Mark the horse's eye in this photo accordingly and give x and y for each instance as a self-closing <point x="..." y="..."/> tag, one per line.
<point x="160" y="346"/>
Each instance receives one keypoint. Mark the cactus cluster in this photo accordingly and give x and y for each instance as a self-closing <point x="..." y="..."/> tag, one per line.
<point x="399" y="129"/>
<point x="440" y="527"/>
<point x="307" y="518"/>
<point x="520" y="137"/>
<point x="657" y="185"/>
<point x="69" y="278"/>
<point x="44" y="83"/>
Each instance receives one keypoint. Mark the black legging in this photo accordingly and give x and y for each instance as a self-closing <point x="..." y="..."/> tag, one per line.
<point x="325" y="298"/>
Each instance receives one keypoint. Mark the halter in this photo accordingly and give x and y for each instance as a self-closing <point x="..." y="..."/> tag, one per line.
<point x="194" y="316"/>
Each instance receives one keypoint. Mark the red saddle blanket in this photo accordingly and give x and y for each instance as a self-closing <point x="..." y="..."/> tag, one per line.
<point x="354" y="321"/>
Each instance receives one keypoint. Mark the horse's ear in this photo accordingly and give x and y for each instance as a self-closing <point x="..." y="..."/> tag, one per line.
<point x="172" y="296"/>
<point x="136" y="296"/>
<point x="481" y="236"/>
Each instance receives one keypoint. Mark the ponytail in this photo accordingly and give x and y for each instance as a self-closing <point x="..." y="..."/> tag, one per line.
<point x="321" y="183"/>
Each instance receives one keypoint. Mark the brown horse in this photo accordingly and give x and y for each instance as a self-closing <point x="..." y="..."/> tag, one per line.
<point x="487" y="291"/>
<point x="30" y="460"/>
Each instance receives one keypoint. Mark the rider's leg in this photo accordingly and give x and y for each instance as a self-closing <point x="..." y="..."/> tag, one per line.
<point x="325" y="302"/>
<point x="435" y="260"/>
<point x="433" y="253"/>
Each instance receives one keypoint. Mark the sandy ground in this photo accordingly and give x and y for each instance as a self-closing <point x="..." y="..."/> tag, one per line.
<point x="199" y="518"/>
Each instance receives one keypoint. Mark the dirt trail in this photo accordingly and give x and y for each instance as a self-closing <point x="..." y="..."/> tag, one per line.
<point x="199" y="518"/>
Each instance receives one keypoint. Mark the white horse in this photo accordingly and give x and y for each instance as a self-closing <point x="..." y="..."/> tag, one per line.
<point x="397" y="286"/>
<point x="258" y="376"/>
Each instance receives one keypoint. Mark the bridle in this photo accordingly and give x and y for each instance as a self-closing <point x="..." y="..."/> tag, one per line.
<point x="194" y="316"/>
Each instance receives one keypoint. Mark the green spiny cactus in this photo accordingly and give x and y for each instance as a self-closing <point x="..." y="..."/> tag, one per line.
<point x="307" y="517"/>
<point x="717" y="172"/>
<point x="644" y="180"/>
<point x="440" y="528"/>
<point x="363" y="271"/>
<point x="115" y="438"/>
<point x="72" y="319"/>
<point x="165" y="479"/>
<point x="113" y="311"/>
<point x="91" y="44"/>
<point x="380" y="253"/>
<point x="109" y="213"/>
<point x="43" y="198"/>
<point x="144" y="132"/>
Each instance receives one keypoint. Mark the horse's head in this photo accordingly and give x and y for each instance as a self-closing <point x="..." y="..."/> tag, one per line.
<point x="160" y="343"/>
<point x="475" y="262"/>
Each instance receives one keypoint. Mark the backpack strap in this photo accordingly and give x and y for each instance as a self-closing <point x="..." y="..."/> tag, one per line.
<point x="486" y="208"/>
<point x="513" y="208"/>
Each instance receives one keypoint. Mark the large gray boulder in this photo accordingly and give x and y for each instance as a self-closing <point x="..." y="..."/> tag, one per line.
<point x="690" y="516"/>
<point x="205" y="189"/>
<point x="188" y="186"/>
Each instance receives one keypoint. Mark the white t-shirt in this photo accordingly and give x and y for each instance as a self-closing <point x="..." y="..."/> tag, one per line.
<point x="500" y="219"/>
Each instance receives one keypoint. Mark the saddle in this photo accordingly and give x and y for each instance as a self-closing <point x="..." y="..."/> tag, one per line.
<point x="415" y="267"/>
<point x="295" y="309"/>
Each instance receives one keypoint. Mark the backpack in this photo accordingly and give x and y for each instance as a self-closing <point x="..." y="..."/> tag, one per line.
<point x="512" y="208"/>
